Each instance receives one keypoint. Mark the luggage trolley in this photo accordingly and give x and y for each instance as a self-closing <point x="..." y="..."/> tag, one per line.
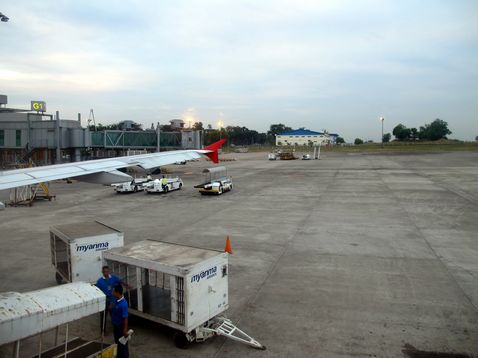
<point x="182" y="287"/>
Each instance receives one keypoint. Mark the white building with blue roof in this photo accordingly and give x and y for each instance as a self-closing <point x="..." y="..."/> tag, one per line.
<point x="305" y="137"/>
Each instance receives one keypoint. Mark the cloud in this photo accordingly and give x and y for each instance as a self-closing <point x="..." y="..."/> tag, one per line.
<point x="322" y="64"/>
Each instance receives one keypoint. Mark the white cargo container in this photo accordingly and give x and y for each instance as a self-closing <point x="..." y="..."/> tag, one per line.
<point x="76" y="249"/>
<point x="180" y="286"/>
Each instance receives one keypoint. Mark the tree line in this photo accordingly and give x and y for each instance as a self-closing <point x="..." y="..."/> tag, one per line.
<point x="238" y="135"/>
<point x="235" y="135"/>
<point x="436" y="130"/>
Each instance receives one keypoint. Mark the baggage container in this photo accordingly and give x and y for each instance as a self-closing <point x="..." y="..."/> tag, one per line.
<point x="179" y="286"/>
<point x="76" y="249"/>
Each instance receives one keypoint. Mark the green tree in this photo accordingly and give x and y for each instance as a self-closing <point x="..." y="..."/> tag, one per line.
<point x="211" y="136"/>
<point x="438" y="129"/>
<point x="358" y="141"/>
<point x="401" y="132"/>
<point x="117" y="126"/>
<point x="198" y="126"/>
<point x="339" y="140"/>
<point x="413" y="133"/>
<point x="241" y="135"/>
<point x="386" y="137"/>
<point x="167" y="128"/>
<point x="276" y="129"/>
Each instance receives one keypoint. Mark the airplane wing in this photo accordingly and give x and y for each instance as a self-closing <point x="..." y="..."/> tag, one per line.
<point x="102" y="171"/>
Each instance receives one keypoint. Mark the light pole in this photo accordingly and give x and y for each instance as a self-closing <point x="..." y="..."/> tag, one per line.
<point x="382" y="120"/>
<point x="190" y="121"/>
<point x="220" y="125"/>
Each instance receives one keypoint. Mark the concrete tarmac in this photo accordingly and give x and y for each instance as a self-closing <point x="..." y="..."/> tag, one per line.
<point x="353" y="255"/>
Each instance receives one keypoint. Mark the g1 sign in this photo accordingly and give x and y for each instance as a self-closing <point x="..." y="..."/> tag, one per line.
<point x="38" y="106"/>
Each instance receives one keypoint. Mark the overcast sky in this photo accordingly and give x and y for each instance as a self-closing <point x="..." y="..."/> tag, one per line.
<point x="335" y="65"/>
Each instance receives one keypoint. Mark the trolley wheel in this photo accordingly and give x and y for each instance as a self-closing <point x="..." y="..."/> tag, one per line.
<point x="58" y="278"/>
<point x="180" y="340"/>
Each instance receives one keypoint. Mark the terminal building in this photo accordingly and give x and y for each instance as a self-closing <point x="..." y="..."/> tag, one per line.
<point x="305" y="137"/>
<point x="41" y="138"/>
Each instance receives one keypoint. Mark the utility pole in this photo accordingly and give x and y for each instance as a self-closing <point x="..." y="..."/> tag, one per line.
<point x="382" y="120"/>
<point x="220" y="125"/>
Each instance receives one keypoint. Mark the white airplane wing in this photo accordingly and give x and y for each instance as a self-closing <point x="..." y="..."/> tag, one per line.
<point x="102" y="171"/>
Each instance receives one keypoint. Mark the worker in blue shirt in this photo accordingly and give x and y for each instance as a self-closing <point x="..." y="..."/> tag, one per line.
<point x="119" y="317"/>
<point x="106" y="283"/>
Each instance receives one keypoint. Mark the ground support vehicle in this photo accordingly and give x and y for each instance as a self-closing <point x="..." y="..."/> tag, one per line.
<point x="133" y="186"/>
<point x="216" y="181"/>
<point x="164" y="185"/>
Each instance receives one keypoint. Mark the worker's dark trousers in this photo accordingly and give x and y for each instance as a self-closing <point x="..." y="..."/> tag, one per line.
<point x="122" y="348"/>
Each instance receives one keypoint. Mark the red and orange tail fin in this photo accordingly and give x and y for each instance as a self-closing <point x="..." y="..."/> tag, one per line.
<point x="214" y="155"/>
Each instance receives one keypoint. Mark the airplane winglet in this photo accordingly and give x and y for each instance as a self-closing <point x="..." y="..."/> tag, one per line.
<point x="214" y="147"/>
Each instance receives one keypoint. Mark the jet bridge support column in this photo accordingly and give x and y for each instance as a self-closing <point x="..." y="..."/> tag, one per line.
<point x="57" y="137"/>
<point x="158" y="137"/>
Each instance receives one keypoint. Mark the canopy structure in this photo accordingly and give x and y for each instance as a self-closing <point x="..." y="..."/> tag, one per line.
<point x="25" y="314"/>
<point x="215" y="170"/>
<point x="215" y="173"/>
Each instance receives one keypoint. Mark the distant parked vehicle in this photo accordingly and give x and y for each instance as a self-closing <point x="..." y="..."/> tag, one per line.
<point x="272" y="156"/>
<point x="306" y="157"/>
<point x="286" y="154"/>
<point x="133" y="186"/>
<point x="216" y="181"/>
<point x="164" y="185"/>
<point x="241" y="149"/>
